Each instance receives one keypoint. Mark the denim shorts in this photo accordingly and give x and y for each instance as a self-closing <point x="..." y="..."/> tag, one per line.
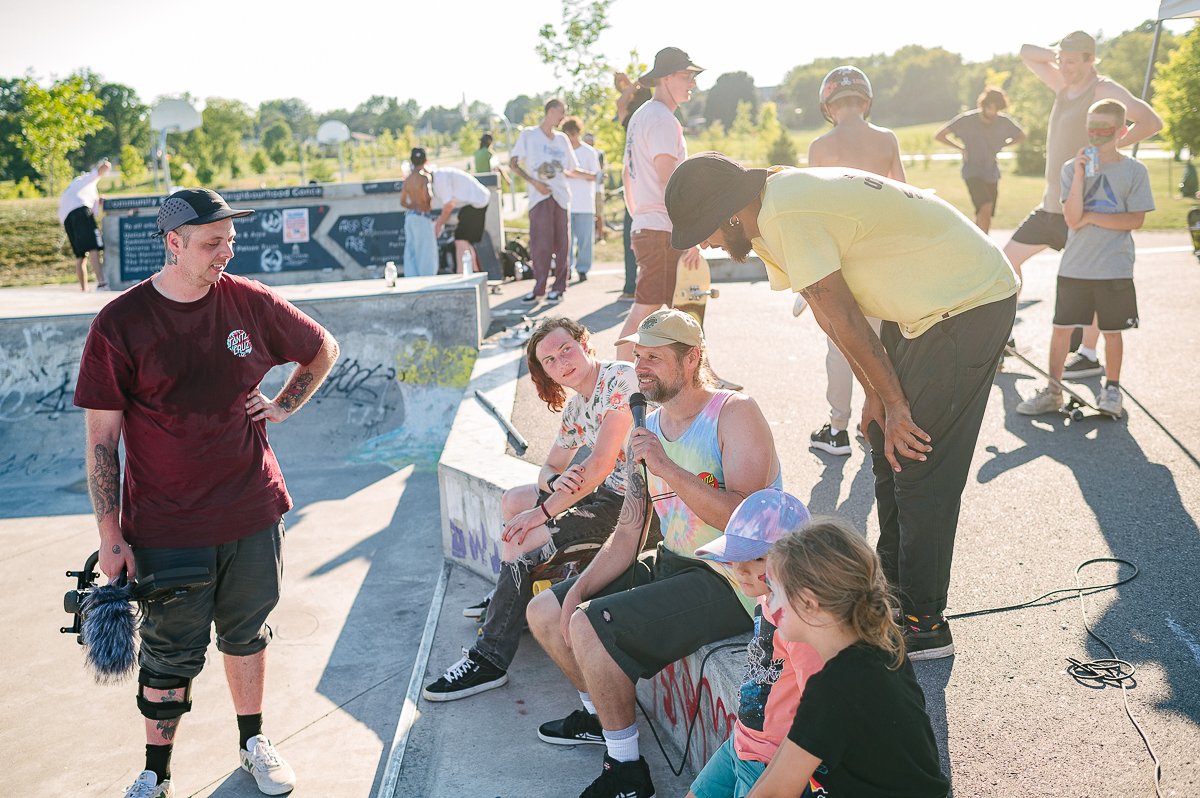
<point x="247" y="574"/>
<point x="726" y="775"/>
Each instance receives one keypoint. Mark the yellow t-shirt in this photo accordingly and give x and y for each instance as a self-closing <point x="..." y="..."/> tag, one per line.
<point x="906" y="255"/>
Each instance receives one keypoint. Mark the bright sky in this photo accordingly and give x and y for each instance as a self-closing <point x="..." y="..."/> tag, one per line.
<point x="337" y="54"/>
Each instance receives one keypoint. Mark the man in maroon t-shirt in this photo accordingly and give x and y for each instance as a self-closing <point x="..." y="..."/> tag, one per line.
<point x="174" y="365"/>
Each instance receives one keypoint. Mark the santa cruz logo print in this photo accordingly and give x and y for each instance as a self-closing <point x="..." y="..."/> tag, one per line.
<point x="239" y="343"/>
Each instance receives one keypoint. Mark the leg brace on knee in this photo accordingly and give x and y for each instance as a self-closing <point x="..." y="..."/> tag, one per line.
<point x="177" y="701"/>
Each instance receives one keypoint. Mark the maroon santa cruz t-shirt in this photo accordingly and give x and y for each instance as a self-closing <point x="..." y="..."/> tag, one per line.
<point x="198" y="471"/>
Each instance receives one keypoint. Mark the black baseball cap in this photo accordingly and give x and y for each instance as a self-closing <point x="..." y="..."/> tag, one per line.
<point x="668" y="61"/>
<point x="193" y="206"/>
<point x="704" y="191"/>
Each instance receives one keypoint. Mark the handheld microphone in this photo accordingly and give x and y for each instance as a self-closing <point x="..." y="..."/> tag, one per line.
<point x="637" y="405"/>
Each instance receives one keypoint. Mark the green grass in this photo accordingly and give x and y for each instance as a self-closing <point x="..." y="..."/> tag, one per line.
<point x="33" y="248"/>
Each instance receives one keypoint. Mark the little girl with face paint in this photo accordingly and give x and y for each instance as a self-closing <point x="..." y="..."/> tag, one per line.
<point x="861" y="728"/>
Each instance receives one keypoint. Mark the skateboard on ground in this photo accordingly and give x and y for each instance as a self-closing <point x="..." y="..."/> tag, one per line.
<point x="693" y="287"/>
<point x="1076" y="404"/>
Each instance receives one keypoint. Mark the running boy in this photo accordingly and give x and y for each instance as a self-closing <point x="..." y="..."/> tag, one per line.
<point x="828" y="590"/>
<point x="776" y="670"/>
<point x="1096" y="272"/>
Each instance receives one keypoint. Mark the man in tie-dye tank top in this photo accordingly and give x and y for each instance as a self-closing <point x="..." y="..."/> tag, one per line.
<point x="704" y="450"/>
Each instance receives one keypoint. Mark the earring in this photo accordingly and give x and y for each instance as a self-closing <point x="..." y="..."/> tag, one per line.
<point x="734" y="221"/>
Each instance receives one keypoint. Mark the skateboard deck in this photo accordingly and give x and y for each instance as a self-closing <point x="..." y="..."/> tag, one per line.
<point x="693" y="287"/>
<point x="1076" y="404"/>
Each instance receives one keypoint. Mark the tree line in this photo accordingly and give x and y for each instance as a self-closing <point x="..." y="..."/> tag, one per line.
<point x="47" y="134"/>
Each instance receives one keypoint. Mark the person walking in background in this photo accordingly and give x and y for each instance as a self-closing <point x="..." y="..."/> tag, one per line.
<point x="632" y="97"/>
<point x="583" y="198"/>
<point x="420" y="240"/>
<point x="601" y="230"/>
<point x="981" y="134"/>
<point x="544" y="157"/>
<point x="846" y="97"/>
<point x="77" y="209"/>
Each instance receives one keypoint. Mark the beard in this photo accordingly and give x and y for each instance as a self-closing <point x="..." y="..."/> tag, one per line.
<point x="736" y="243"/>
<point x="660" y="393"/>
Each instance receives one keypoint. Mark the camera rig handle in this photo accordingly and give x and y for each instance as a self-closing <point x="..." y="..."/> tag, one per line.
<point x="83" y="580"/>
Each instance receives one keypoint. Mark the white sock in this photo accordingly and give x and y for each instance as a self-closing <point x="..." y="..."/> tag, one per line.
<point x="586" y="698"/>
<point x="833" y="430"/>
<point x="623" y="744"/>
<point x="1087" y="352"/>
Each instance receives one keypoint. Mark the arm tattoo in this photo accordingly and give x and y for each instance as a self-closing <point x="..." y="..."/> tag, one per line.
<point x="812" y="291"/>
<point x="293" y="395"/>
<point x="104" y="481"/>
<point x="634" y="508"/>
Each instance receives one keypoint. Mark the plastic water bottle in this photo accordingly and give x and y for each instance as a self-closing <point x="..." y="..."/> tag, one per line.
<point x="468" y="266"/>
<point x="389" y="274"/>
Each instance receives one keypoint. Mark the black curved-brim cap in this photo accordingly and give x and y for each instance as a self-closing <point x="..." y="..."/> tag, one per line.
<point x="193" y="206"/>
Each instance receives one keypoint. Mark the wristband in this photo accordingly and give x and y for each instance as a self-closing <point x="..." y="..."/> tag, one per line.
<point x="545" y="512"/>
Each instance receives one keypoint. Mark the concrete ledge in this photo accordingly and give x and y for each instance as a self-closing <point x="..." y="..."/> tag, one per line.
<point x="473" y="474"/>
<point x="475" y="470"/>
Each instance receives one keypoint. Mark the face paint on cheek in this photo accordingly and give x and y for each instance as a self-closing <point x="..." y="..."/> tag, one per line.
<point x="1101" y="135"/>
<point x="774" y="602"/>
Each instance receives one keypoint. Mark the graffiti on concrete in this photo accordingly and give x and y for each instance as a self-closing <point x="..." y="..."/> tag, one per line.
<point x="676" y="701"/>
<point x="474" y="545"/>
<point x="37" y="375"/>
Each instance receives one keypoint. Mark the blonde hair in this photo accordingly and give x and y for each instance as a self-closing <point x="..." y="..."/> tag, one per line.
<point x="1114" y="109"/>
<point x="833" y="562"/>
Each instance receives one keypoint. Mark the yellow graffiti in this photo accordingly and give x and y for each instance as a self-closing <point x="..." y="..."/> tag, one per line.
<point x="425" y="363"/>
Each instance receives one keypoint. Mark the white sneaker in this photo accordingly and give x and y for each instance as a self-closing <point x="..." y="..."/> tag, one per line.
<point x="147" y="786"/>
<point x="1044" y="401"/>
<point x="263" y="762"/>
<point x="1110" y="400"/>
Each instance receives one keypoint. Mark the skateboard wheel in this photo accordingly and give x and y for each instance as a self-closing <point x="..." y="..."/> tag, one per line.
<point x="714" y="293"/>
<point x="1077" y="414"/>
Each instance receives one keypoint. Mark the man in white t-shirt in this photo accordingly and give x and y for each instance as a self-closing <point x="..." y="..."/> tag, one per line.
<point x="654" y="146"/>
<point x="454" y="188"/>
<point x="77" y="209"/>
<point x="544" y="157"/>
<point x="583" y="199"/>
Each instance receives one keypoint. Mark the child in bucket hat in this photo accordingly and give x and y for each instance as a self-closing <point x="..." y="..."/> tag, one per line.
<point x="776" y="669"/>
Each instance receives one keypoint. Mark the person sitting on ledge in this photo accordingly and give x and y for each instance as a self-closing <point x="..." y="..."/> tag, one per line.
<point x="569" y="504"/>
<point x="627" y="617"/>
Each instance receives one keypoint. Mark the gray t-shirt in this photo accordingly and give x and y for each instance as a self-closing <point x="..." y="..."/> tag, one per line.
<point x="983" y="140"/>
<point x="1096" y="253"/>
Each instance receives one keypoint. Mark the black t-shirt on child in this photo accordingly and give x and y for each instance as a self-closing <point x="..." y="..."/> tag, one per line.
<point x="869" y="728"/>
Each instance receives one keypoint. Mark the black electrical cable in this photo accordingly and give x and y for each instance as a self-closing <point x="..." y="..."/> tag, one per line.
<point x="1112" y="672"/>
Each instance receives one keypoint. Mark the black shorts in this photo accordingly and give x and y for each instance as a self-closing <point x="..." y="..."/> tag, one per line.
<point x="983" y="192"/>
<point x="1112" y="302"/>
<point x="1042" y="228"/>
<point x="470" y="224"/>
<point x="247" y="574"/>
<point x="662" y="608"/>
<point x="82" y="232"/>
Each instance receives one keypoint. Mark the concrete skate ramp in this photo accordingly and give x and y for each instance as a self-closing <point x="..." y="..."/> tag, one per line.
<point x="407" y="355"/>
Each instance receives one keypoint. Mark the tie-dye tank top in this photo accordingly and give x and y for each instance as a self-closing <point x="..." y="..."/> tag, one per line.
<point x="699" y="451"/>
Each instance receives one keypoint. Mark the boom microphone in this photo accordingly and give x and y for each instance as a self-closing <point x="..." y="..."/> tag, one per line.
<point x="637" y="405"/>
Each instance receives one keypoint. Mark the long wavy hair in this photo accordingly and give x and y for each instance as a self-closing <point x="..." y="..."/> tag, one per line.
<point x="833" y="561"/>
<point x="548" y="390"/>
